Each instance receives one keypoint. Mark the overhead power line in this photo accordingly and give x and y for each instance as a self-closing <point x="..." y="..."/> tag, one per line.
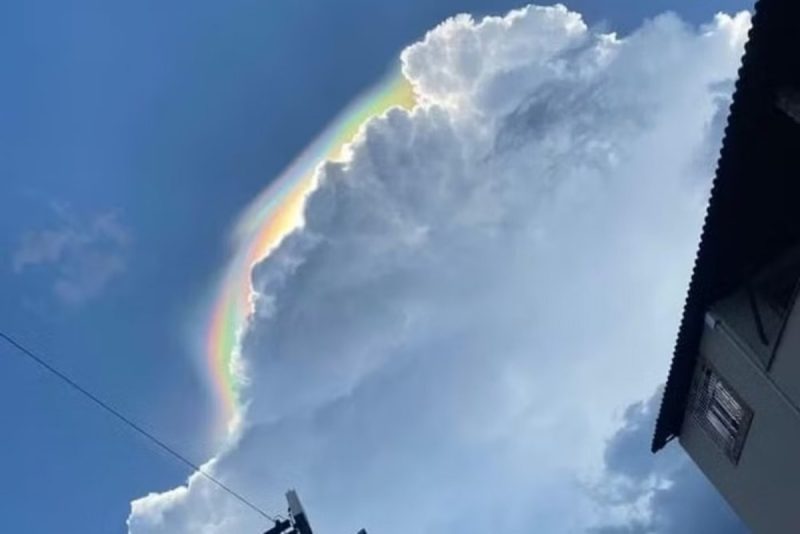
<point x="129" y="423"/>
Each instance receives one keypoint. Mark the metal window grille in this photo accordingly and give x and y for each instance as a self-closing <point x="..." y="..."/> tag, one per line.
<point x="721" y="413"/>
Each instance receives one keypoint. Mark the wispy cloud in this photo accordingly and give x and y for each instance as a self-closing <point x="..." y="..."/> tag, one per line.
<point x="82" y="256"/>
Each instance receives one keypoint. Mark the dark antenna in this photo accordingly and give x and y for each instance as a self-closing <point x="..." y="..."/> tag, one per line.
<point x="298" y="520"/>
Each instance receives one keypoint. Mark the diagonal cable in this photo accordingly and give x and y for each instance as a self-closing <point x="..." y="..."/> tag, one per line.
<point x="128" y="422"/>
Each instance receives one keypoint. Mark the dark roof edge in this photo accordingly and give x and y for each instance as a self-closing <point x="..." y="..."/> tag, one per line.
<point x="676" y="391"/>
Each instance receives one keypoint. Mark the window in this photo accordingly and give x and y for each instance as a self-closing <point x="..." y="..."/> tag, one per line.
<point x="720" y="412"/>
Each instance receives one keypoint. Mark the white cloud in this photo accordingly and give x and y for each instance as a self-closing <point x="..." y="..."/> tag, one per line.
<point x="83" y="258"/>
<point x="480" y="292"/>
<point x="648" y="493"/>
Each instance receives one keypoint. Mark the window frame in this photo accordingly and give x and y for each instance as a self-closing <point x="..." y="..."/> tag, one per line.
<point x="710" y="394"/>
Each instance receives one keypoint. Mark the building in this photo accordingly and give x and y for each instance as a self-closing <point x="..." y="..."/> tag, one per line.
<point x="732" y="396"/>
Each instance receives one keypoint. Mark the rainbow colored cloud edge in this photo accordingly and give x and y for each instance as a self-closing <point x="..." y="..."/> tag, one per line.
<point x="274" y="214"/>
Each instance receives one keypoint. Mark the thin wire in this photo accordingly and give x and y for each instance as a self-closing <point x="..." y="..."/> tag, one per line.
<point x="110" y="409"/>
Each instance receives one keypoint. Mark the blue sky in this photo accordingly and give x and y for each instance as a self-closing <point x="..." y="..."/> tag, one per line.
<point x="164" y="120"/>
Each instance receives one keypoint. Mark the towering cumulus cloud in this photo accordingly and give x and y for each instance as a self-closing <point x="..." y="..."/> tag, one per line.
<point x="450" y="341"/>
